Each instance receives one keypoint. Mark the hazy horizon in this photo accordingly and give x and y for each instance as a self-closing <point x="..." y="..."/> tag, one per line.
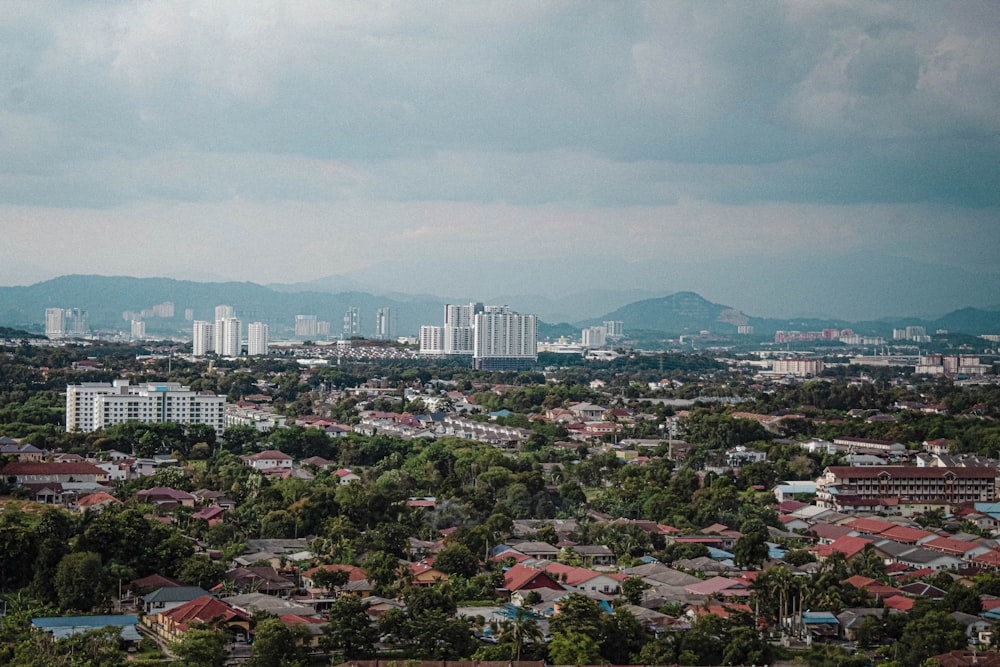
<point x="785" y="158"/>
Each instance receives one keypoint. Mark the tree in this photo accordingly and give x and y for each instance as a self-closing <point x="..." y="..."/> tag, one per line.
<point x="518" y="631"/>
<point x="933" y="633"/>
<point x="201" y="647"/>
<point x="574" y="648"/>
<point x="746" y="647"/>
<point x="456" y="558"/>
<point x="869" y="632"/>
<point x="962" y="598"/>
<point x="751" y="549"/>
<point x="350" y="630"/>
<point x="330" y="580"/>
<point x="80" y="582"/>
<point x="578" y="614"/>
<point x="276" y="645"/>
<point x="632" y="589"/>
<point x="201" y="571"/>
<point x="382" y="569"/>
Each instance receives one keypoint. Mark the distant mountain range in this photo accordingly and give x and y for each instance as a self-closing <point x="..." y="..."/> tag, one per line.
<point x="106" y="298"/>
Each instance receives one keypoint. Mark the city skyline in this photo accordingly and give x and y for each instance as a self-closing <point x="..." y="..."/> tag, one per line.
<point x="722" y="149"/>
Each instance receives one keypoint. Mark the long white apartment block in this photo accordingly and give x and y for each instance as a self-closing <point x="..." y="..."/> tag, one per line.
<point x="94" y="405"/>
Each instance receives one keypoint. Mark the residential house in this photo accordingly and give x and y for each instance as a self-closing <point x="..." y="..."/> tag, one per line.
<point x="171" y="625"/>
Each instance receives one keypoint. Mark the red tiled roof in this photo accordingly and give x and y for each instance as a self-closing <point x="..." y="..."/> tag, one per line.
<point x="905" y="535"/>
<point x="520" y="576"/>
<point x="847" y="545"/>
<point x="899" y="602"/>
<point x="96" y="499"/>
<point x="203" y="610"/>
<point x="950" y="546"/>
<point x="870" y="526"/>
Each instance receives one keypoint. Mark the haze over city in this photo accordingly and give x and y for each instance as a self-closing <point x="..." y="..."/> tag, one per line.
<point x="785" y="158"/>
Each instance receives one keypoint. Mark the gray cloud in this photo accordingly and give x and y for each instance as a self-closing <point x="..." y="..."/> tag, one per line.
<point x="590" y="114"/>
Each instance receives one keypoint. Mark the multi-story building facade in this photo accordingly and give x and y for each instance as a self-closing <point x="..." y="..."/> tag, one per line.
<point x="306" y="326"/>
<point x="256" y="339"/>
<point x="431" y="340"/>
<point x="138" y="330"/>
<point x="614" y="328"/>
<point x="504" y="339"/>
<point x="593" y="336"/>
<point x="231" y="338"/>
<point x="799" y="366"/>
<point x="383" y="323"/>
<point x="352" y="322"/>
<point x="55" y="322"/>
<point x="95" y="405"/>
<point x="203" y="338"/>
<point x="842" y="486"/>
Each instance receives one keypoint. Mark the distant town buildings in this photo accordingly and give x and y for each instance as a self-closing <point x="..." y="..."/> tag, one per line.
<point x="913" y="333"/>
<point x="95" y="405"/>
<point x="950" y="364"/>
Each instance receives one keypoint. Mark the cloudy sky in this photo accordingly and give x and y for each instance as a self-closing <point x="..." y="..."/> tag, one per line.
<point x="286" y="141"/>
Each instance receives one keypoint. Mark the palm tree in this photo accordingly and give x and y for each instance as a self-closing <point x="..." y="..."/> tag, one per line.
<point x="520" y="629"/>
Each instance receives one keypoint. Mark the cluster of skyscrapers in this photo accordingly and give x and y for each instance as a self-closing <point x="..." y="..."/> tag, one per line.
<point x="496" y="337"/>
<point x="224" y="336"/>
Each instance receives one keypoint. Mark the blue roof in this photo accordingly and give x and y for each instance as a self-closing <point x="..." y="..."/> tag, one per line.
<point x="718" y="554"/>
<point x="818" y="617"/>
<point x="501" y="413"/>
<point x="67" y="626"/>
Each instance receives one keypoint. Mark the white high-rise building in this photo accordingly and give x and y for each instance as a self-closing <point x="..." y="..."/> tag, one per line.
<point x="138" y="330"/>
<point x="613" y="329"/>
<point x="256" y="339"/>
<point x="77" y="322"/>
<point x="431" y="340"/>
<point x="55" y="322"/>
<point x="504" y="339"/>
<point x="229" y="334"/>
<point x="352" y="322"/>
<point x="94" y="405"/>
<point x="203" y="338"/>
<point x="383" y="323"/>
<point x="593" y="337"/>
<point x="224" y="312"/>
<point x="306" y="326"/>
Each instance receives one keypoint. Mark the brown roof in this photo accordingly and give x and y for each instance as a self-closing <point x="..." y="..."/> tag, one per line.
<point x="45" y="468"/>
<point x="910" y="472"/>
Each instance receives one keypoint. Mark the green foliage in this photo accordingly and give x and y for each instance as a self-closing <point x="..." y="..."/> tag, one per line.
<point x="276" y="645"/>
<point x="456" y="558"/>
<point x="574" y="648"/>
<point x="201" y="647"/>
<point x="349" y="630"/>
<point x="80" y="582"/>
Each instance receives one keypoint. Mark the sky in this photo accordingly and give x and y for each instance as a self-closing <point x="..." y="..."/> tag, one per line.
<point x="288" y="141"/>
